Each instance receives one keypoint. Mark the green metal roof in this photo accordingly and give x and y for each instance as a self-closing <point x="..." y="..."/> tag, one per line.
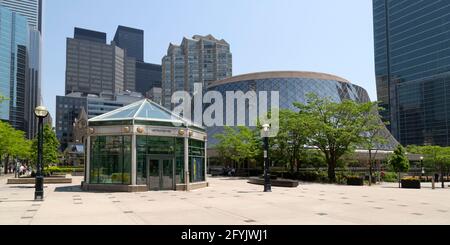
<point x="144" y="110"/>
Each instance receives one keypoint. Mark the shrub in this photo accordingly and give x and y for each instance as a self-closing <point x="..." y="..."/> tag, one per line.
<point x="48" y="171"/>
<point x="389" y="177"/>
<point x="310" y="176"/>
<point x="355" y="180"/>
<point x="341" y="178"/>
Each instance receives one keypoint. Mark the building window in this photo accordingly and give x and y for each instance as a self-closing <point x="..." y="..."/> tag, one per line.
<point x="110" y="160"/>
<point x="196" y="161"/>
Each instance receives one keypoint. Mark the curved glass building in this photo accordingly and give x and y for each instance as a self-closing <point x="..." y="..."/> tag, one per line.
<point x="293" y="86"/>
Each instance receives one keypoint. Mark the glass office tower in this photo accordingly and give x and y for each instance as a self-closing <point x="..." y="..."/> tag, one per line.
<point x="412" y="59"/>
<point x="132" y="40"/>
<point x="31" y="9"/>
<point x="148" y="76"/>
<point x="13" y="63"/>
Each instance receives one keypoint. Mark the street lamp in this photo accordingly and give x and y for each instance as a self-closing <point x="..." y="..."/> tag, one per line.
<point x="41" y="112"/>
<point x="421" y="166"/>
<point x="267" y="184"/>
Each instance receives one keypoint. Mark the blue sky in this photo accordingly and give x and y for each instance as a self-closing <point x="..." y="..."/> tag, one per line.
<point x="328" y="36"/>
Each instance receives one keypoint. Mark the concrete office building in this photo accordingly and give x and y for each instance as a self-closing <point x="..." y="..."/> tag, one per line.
<point x="93" y="66"/>
<point x="69" y="107"/>
<point x="144" y="76"/>
<point x="202" y="59"/>
<point x="14" y="44"/>
<point x="155" y="95"/>
<point x="412" y="63"/>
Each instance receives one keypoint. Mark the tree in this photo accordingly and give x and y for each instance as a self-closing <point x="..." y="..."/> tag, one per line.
<point x="435" y="157"/>
<point x="50" y="147"/>
<point x="334" y="128"/>
<point x="12" y="144"/>
<point x="399" y="162"/>
<point x="292" y="136"/>
<point x="240" y="144"/>
<point x="372" y="138"/>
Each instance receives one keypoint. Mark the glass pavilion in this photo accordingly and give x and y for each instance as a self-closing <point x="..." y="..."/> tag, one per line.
<point x="142" y="147"/>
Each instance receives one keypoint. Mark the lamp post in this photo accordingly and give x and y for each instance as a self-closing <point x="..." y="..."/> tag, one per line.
<point x="422" y="169"/>
<point x="41" y="113"/>
<point x="267" y="184"/>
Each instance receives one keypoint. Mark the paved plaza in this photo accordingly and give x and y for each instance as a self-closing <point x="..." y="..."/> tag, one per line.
<point x="227" y="201"/>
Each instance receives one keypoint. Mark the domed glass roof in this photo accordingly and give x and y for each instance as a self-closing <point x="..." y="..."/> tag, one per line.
<point x="144" y="110"/>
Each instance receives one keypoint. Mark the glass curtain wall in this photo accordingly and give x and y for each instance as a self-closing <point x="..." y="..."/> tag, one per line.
<point x="148" y="146"/>
<point x="110" y="160"/>
<point x="196" y="160"/>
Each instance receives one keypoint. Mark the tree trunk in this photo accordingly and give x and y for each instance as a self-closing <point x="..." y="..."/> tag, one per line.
<point x="332" y="170"/>
<point x="292" y="165"/>
<point x="442" y="176"/>
<point x="399" y="182"/>
<point x="370" y="167"/>
<point x="6" y="164"/>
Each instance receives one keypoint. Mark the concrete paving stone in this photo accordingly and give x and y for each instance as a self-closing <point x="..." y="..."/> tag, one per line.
<point x="229" y="201"/>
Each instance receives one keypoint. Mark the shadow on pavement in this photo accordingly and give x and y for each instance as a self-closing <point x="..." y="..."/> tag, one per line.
<point x="74" y="188"/>
<point x="18" y="201"/>
<point x="23" y="186"/>
<point x="231" y="178"/>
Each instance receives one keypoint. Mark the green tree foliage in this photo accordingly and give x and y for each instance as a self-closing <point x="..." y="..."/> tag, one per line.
<point x="239" y="145"/>
<point x="288" y="145"/>
<point x="435" y="157"/>
<point x="399" y="161"/>
<point x="50" y="149"/>
<point x="334" y="128"/>
<point x="13" y="144"/>
<point x="372" y="138"/>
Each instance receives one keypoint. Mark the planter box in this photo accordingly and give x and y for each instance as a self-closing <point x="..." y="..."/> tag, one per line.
<point x="29" y="181"/>
<point x="410" y="184"/>
<point x="355" y="181"/>
<point x="277" y="182"/>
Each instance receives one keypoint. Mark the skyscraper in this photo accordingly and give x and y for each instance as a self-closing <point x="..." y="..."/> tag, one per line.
<point x="13" y="63"/>
<point x="92" y="65"/>
<point x="144" y="75"/>
<point x="31" y="9"/>
<point x="148" y="76"/>
<point x="33" y="86"/>
<point x="132" y="40"/>
<point x="202" y="59"/>
<point x="412" y="59"/>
